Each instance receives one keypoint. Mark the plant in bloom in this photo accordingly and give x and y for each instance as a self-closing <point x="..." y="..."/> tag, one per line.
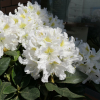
<point x="49" y="50"/>
<point x="37" y="57"/>
<point x="90" y="63"/>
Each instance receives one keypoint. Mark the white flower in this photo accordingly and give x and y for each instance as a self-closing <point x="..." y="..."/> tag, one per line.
<point x="90" y="64"/>
<point x="50" y="51"/>
<point x="7" y="42"/>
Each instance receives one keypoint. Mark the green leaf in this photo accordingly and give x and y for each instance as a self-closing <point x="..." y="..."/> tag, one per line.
<point x="97" y="86"/>
<point x="16" y="98"/>
<point x="75" y="78"/>
<point x="62" y="91"/>
<point x="78" y="89"/>
<point x="4" y="63"/>
<point x="57" y="97"/>
<point x="43" y="90"/>
<point x="17" y="74"/>
<point x="17" y="56"/>
<point x="11" y="53"/>
<point x="2" y="87"/>
<point x="25" y="81"/>
<point x="30" y="93"/>
<point x="0" y="82"/>
<point x="75" y="99"/>
<point x="9" y="96"/>
<point x="9" y="89"/>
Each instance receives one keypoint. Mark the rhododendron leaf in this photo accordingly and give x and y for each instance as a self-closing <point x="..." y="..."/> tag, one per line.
<point x="75" y="99"/>
<point x="17" y="74"/>
<point x="11" y="53"/>
<point x="0" y="82"/>
<point x="97" y="86"/>
<point x="9" y="96"/>
<point x="58" y="97"/>
<point x="62" y="91"/>
<point x="78" y="89"/>
<point x="25" y="81"/>
<point x="16" y="98"/>
<point x="75" y="78"/>
<point x="2" y="87"/>
<point x="43" y="90"/>
<point x="9" y="89"/>
<point x="30" y="93"/>
<point x="4" y="63"/>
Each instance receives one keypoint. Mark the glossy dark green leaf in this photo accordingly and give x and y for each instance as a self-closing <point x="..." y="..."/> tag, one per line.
<point x="17" y="74"/>
<point x="78" y="89"/>
<point x="30" y="93"/>
<point x="11" y="53"/>
<point x="0" y="82"/>
<point x="75" y="78"/>
<point x="57" y="97"/>
<point x="9" y="96"/>
<point x="25" y="81"/>
<point x="4" y="63"/>
<point x="43" y="90"/>
<point x="16" y="98"/>
<point x="2" y="87"/>
<point x="9" y="89"/>
<point x="97" y="86"/>
<point x="75" y="98"/>
<point x="62" y="91"/>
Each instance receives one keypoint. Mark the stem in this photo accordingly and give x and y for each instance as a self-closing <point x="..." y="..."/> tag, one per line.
<point x="45" y="97"/>
<point x="52" y="79"/>
<point x="40" y="98"/>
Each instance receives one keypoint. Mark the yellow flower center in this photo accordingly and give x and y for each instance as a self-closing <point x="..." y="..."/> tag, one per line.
<point x="44" y="23"/>
<point x="25" y="10"/>
<point x="41" y="34"/>
<point x="87" y="48"/>
<point x="91" y="56"/>
<point x="24" y="36"/>
<point x="33" y="48"/>
<point x="82" y="65"/>
<point x="29" y="19"/>
<point x="16" y="20"/>
<point x="80" y="54"/>
<point x="23" y="16"/>
<point x="49" y="50"/>
<point x="53" y="24"/>
<point x="54" y="62"/>
<point x="50" y="18"/>
<point x="62" y="43"/>
<point x="22" y="25"/>
<point x="47" y="39"/>
<point x="38" y="12"/>
<point x="2" y="38"/>
<point x="6" y="27"/>
<point x="30" y="7"/>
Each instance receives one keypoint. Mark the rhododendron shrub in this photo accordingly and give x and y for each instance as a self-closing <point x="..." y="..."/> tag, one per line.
<point x="37" y="56"/>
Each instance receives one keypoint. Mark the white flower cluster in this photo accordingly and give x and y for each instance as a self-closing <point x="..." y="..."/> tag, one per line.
<point x="50" y="51"/>
<point x="8" y="40"/>
<point x="90" y="64"/>
<point x="15" y="28"/>
<point x="47" y="48"/>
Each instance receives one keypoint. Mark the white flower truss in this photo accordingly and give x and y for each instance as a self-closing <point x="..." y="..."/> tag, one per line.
<point x="8" y="40"/>
<point x="49" y="50"/>
<point x="90" y="64"/>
